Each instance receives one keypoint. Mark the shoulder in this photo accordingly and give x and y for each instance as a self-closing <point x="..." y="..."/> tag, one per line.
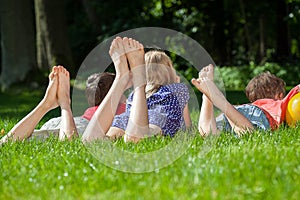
<point x="294" y="90"/>
<point x="176" y="87"/>
<point x="180" y="91"/>
<point x="291" y="93"/>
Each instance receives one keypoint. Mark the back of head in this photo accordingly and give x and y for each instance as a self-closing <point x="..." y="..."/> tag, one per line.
<point x="159" y="70"/>
<point x="265" y="86"/>
<point x="97" y="86"/>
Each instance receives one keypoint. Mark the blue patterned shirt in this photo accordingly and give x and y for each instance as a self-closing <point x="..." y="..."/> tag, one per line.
<point x="165" y="108"/>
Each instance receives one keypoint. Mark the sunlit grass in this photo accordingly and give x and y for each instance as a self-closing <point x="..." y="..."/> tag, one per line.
<point x="263" y="165"/>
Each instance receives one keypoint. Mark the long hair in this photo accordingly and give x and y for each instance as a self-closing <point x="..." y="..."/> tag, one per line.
<point x="159" y="71"/>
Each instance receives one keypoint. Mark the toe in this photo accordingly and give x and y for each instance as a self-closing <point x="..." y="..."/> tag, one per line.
<point x="126" y="42"/>
<point x="51" y="75"/>
<point x="119" y="42"/>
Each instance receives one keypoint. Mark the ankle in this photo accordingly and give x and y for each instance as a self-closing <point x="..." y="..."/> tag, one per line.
<point x="139" y="76"/>
<point x="65" y="106"/>
<point x="46" y="106"/>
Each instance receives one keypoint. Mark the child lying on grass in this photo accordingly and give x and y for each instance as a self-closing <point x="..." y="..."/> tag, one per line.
<point x="97" y="86"/>
<point x="155" y="107"/>
<point x="267" y="111"/>
<point x="58" y="94"/>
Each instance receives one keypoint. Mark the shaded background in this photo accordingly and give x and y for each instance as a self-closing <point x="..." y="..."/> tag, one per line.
<point x="244" y="35"/>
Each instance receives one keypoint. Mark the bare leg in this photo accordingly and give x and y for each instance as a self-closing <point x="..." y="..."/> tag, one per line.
<point x="207" y="121"/>
<point x="68" y="128"/>
<point x="103" y="117"/>
<point x="138" y="124"/>
<point x="25" y="127"/>
<point x="239" y="122"/>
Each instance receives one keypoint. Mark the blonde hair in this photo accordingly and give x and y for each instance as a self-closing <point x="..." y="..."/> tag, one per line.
<point x="159" y="71"/>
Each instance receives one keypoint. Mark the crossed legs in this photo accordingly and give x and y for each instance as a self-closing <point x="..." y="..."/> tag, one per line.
<point x="57" y="94"/>
<point x="213" y="96"/>
<point x="121" y="51"/>
<point x="207" y="121"/>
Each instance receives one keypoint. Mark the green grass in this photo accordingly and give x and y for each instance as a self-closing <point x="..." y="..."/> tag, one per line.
<point x="18" y="102"/>
<point x="262" y="165"/>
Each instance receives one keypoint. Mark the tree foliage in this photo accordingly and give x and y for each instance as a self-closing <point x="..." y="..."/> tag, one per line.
<point x="234" y="32"/>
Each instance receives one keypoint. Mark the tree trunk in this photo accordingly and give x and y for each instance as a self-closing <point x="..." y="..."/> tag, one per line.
<point x="92" y="15"/>
<point x="246" y="29"/>
<point x="261" y="37"/>
<point x="17" y="40"/>
<point x="283" y="43"/>
<point x="220" y="39"/>
<point x="52" y="41"/>
<point x="0" y="47"/>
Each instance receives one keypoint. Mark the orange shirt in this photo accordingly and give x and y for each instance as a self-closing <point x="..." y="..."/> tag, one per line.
<point x="275" y="109"/>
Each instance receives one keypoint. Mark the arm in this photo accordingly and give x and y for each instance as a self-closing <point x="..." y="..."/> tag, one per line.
<point x="186" y="113"/>
<point x="187" y="116"/>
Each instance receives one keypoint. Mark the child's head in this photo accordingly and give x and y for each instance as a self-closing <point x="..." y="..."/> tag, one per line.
<point x="97" y="86"/>
<point x="265" y="86"/>
<point x="159" y="70"/>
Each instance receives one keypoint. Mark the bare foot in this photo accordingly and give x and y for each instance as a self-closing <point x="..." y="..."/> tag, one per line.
<point x="136" y="57"/>
<point x="117" y="54"/>
<point x="205" y="84"/>
<point x="63" y="92"/>
<point x="50" y="99"/>
<point x="134" y="52"/>
<point x="207" y="71"/>
<point x="208" y="88"/>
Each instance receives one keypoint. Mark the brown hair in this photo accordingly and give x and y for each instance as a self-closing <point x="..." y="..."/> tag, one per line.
<point x="265" y="86"/>
<point x="159" y="70"/>
<point x="97" y="86"/>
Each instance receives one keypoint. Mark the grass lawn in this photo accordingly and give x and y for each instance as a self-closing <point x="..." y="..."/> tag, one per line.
<point x="262" y="165"/>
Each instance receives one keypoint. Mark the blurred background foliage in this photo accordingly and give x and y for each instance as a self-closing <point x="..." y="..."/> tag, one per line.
<point x="243" y="37"/>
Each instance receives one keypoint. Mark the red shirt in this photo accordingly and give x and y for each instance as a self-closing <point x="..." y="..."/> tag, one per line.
<point x="275" y="109"/>
<point x="88" y="114"/>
